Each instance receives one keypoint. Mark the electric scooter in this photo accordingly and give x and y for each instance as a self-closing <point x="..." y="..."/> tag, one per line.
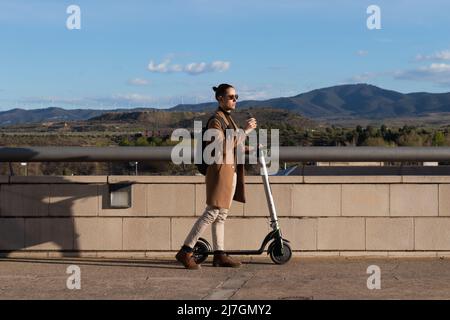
<point x="279" y="248"/>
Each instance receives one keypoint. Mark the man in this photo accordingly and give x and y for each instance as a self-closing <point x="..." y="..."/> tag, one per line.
<point x="224" y="183"/>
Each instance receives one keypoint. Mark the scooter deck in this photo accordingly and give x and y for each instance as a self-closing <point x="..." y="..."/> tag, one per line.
<point x="243" y="252"/>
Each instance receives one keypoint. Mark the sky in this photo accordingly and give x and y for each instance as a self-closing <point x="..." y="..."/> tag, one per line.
<point x="160" y="53"/>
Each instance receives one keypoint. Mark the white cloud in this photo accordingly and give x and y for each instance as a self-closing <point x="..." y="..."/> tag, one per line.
<point x="443" y="55"/>
<point x="119" y="100"/>
<point x="363" y="77"/>
<point x="138" y="82"/>
<point x="177" y="68"/>
<point x="51" y="100"/>
<point x="162" y="67"/>
<point x="193" y="68"/>
<point x="261" y="92"/>
<point x="220" y="66"/>
<point x="438" y="73"/>
<point x="131" y="99"/>
<point x="438" y="67"/>
<point x="362" y="53"/>
<point x="256" y="95"/>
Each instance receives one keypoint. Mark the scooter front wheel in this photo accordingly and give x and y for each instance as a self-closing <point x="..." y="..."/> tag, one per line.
<point x="200" y="251"/>
<point x="286" y="253"/>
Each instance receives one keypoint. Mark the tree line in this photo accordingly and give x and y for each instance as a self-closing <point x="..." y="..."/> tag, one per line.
<point x="369" y="135"/>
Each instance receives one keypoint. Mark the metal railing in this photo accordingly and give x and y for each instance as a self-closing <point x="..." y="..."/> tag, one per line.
<point x="286" y="154"/>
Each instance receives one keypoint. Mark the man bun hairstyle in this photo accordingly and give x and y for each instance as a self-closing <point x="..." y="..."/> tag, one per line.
<point x="221" y="89"/>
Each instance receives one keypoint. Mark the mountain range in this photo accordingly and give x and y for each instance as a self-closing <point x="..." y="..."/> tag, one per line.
<point x="352" y="101"/>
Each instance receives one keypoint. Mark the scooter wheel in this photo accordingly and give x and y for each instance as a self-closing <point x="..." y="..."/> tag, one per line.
<point x="200" y="252"/>
<point x="285" y="256"/>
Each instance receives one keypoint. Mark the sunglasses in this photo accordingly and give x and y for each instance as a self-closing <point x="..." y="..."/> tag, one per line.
<point x="232" y="97"/>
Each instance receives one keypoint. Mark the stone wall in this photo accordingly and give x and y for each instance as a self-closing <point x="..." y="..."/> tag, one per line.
<point x="53" y="216"/>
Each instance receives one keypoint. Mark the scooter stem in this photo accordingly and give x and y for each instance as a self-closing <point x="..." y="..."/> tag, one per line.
<point x="273" y="213"/>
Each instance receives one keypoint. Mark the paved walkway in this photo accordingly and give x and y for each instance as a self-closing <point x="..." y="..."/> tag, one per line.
<point x="259" y="278"/>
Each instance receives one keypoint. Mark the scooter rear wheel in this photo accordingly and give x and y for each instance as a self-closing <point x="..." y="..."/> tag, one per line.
<point x="200" y="251"/>
<point x="285" y="255"/>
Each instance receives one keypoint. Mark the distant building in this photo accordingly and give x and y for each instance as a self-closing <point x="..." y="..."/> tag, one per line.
<point x="353" y="167"/>
<point x="286" y="171"/>
<point x="359" y="164"/>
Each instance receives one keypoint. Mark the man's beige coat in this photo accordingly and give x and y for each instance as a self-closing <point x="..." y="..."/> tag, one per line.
<point x="219" y="177"/>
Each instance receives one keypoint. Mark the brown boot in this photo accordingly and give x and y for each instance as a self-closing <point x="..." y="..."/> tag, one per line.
<point x="187" y="259"/>
<point x="223" y="260"/>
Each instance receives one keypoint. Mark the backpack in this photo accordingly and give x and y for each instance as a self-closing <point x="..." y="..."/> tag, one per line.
<point x="203" y="166"/>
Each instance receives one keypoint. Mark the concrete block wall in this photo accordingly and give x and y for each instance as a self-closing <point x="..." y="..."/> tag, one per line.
<point x="54" y="216"/>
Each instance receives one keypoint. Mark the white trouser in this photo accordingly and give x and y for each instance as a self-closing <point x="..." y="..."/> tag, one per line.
<point x="216" y="217"/>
